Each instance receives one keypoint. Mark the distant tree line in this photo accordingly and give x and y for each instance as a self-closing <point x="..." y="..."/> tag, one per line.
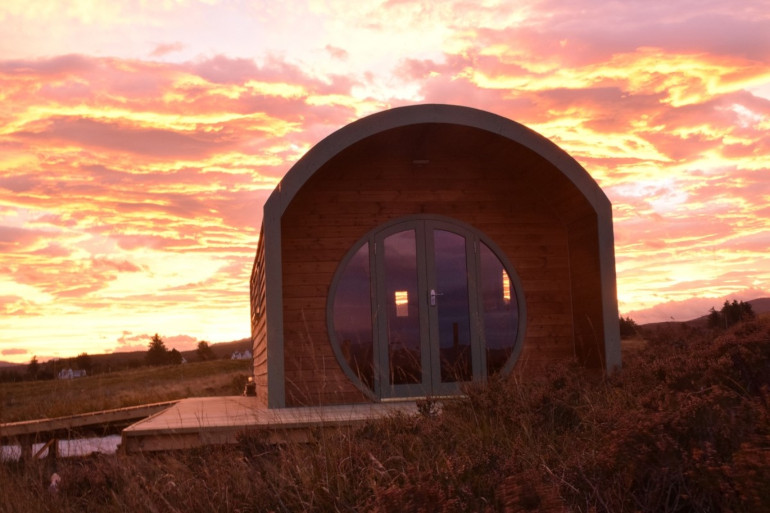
<point x="46" y="370"/>
<point x="628" y="327"/>
<point x="730" y="314"/>
<point x="157" y="354"/>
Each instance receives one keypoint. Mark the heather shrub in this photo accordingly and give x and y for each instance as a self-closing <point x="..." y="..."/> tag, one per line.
<point x="686" y="430"/>
<point x="684" y="427"/>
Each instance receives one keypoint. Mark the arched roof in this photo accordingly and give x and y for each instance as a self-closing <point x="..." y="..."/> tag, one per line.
<point x="349" y="135"/>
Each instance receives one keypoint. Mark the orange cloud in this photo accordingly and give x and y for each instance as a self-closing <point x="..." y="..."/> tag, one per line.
<point x="132" y="188"/>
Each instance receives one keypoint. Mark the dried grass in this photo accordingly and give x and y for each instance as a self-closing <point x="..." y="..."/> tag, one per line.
<point x="683" y="428"/>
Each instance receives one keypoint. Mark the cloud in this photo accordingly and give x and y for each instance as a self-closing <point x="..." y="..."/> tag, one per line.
<point x="164" y="49"/>
<point x="132" y="183"/>
<point x="709" y="27"/>
<point x="17" y="306"/>
<point x="48" y="68"/>
<point x="336" y="52"/>
<point x="692" y="308"/>
<point x="17" y="239"/>
<point x="181" y="342"/>
<point x="13" y="351"/>
<point x="128" y="342"/>
<point x="113" y="136"/>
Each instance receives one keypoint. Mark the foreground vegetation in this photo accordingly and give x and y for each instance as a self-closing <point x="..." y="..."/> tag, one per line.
<point x="55" y="398"/>
<point x="683" y="428"/>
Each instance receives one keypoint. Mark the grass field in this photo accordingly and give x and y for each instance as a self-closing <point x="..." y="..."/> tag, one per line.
<point x="54" y="398"/>
<point x="683" y="428"/>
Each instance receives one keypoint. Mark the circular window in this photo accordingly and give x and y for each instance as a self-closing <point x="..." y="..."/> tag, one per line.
<point x="421" y="305"/>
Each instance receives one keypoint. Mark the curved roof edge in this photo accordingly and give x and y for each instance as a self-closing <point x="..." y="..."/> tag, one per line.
<point x="370" y="125"/>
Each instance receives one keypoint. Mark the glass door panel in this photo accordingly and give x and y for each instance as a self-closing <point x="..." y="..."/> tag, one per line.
<point x="449" y="303"/>
<point x="352" y="316"/>
<point x="402" y="310"/>
<point x="500" y="310"/>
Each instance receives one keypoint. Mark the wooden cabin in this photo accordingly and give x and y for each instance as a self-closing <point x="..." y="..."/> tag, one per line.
<point x="424" y="247"/>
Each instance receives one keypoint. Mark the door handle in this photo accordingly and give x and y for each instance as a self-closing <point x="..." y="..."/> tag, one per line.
<point x="433" y="295"/>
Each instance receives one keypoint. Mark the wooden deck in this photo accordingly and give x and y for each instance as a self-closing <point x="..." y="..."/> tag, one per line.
<point x="26" y="433"/>
<point x="196" y="422"/>
<point x="84" y="422"/>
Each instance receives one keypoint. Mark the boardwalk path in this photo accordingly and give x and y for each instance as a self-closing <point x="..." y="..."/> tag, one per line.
<point x="195" y="422"/>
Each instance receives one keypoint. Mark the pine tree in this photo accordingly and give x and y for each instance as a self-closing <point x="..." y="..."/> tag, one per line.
<point x="157" y="353"/>
<point x="33" y="368"/>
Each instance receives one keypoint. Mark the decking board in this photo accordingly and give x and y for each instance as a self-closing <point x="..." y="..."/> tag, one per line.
<point x="195" y="422"/>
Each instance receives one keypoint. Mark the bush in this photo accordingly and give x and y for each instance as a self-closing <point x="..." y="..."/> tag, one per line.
<point x="683" y="428"/>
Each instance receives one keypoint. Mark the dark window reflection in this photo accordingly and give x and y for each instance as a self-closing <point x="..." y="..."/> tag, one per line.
<point x="447" y="294"/>
<point x="452" y="306"/>
<point x="353" y="316"/>
<point x="500" y="310"/>
<point x="404" y="350"/>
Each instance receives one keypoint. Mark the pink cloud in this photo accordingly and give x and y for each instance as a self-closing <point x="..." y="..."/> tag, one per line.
<point x="117" y="155"/>
<point x="224" y="70"/>
<point x="164" y="49"/>
<point x="140" y="342"/>
<point x="687" y="26"/>
<point x="13" y="351"/>
<point x="53" y="250"/>
<point x="336" y="52"/>
<point x="181" y="342"/>
<point x="18" y="239"/>
<point x="52" y="67"/>
<point x="16" y="306"/>
<point x="117" y="137"/>
<point x="128" y="342"/>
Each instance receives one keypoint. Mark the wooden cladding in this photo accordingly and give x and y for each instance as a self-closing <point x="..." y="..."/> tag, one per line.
<point x="259" y="321"/>
<point x="513" y="197"/>
<point x="541" y="210"/>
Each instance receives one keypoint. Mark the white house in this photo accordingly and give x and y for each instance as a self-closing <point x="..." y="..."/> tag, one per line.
<point x="246" y="355"/>
<point x="72" y="374"/>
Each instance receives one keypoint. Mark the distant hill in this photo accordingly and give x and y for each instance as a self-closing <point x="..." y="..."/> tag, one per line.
<point x="122" y="360"/>
<point x="134" y="358"/>
<point x="760" y="306"/>
<point x="222" y="349"/>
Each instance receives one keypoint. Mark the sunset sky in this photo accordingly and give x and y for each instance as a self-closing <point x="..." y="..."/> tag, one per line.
<point x="139" y="140"/>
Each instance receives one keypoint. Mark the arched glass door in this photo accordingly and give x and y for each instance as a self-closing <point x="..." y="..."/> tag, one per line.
<point x="443" y="310"/>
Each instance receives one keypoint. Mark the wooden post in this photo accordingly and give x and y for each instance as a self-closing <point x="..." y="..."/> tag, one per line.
<point x="51" y="445"/>
<point x="26" y="448"/>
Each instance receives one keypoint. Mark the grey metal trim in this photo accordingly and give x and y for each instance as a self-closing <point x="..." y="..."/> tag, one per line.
<point x="612" y="353"/>
<point x="276" y="387"/>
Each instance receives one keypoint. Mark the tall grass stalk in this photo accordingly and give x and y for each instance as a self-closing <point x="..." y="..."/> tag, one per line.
<point x="683" y="428"/>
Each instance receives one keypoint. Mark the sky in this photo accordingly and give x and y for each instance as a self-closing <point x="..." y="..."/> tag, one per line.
<point x="139" y="140"/>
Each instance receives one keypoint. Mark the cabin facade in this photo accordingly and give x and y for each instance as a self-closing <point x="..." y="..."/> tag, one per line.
<point x="424" y="247"/>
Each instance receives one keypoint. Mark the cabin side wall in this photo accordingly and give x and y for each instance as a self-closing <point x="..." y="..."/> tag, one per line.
<point x="259" y="323"/>
<point x="477" y="179"/>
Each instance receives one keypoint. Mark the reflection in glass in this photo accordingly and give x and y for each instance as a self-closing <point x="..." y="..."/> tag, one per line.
<point x="506" y="287"/>
<point x="500" y="310"/>
<point x="452" y="306"/>
<point x="403" y="321"/>
<point x="402" y="303"/>
<point x="353" y="316"/>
